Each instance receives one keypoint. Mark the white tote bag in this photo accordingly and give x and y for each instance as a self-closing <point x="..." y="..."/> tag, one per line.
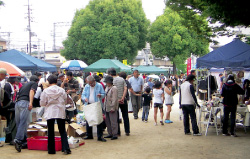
<point x="93" y="113"/>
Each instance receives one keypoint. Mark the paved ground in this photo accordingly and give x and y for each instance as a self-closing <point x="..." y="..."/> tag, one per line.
<point x="152" y="142"/>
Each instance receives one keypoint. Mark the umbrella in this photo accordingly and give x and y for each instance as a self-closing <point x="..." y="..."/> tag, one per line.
<point x="12" y="70"/>
<point x="74" y="65"/>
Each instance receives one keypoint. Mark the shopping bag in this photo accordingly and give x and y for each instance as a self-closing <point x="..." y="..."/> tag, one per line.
<point x="70" y="104"/>
<point x="93" y="113"/>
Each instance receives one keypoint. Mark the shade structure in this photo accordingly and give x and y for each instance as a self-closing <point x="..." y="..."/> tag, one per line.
<point x="149" y="69"/>
<point x="103" y="64"/>
<point x="234" y="55"/>
<point x="74" y="65"/>
<point x="12" y="70"/>
<point x="26" y="62"/>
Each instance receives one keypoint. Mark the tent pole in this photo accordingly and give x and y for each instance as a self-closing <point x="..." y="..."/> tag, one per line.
<point x="208" y="89"/>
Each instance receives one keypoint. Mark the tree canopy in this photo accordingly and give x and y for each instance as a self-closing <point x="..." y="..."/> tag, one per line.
<point x="229" y="12"/>
<point x="169" y="37"/>
<point x="107" y="29"/>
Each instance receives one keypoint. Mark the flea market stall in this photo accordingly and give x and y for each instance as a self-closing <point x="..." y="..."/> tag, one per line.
<point x="232" y="58"/>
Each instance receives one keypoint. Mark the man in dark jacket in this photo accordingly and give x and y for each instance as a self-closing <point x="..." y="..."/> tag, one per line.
<point x="230" y="90"/>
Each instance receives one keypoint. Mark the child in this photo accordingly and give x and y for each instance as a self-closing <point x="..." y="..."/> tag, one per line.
<point x="168" y="99"/>
<point x="147" y="104"/>
<point x="158" y="101"/>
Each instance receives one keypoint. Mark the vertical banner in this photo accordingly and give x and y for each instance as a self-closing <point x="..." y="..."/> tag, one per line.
<point x="188" y="66"/>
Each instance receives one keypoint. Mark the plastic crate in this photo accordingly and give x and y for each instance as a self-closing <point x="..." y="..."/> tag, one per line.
<point x="41" y="143"/>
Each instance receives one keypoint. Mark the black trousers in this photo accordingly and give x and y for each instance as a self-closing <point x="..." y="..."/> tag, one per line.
<point x="90" y="132"/>
<point x="51" y="134"/>
<point x="189" y="110"/>
<point x="227" y="111"/>
<point x="124" y="110"/>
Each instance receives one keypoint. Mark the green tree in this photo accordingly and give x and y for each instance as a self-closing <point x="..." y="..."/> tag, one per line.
<point x="229" y="12"/>
<point x="107" y="29"/>
<point x="169" y="37"/>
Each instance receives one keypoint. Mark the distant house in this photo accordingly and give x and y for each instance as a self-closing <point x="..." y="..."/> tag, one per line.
<point x="3" y="45"/>
<point x="55" y="58"/>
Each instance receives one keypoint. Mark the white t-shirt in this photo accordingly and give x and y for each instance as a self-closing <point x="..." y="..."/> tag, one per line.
<point x="91" y="95"/>
<point x="158" y="96"/>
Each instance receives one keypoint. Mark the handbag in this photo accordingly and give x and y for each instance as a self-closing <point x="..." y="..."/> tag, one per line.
<point x="70" y="104"/>
<point x="93" y="113"/>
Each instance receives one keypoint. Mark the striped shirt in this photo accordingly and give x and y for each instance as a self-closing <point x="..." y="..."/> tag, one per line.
<point x="120" y="84"/>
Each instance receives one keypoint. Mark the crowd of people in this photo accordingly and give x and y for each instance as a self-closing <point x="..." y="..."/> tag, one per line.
<point x="114" y="92"/>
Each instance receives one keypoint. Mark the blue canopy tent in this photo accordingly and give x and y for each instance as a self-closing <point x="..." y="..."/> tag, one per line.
<point x="26" y="62"/>
<point x="234" y="55"/>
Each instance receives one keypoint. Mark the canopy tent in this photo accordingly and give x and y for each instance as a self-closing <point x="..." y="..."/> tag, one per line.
<point x="26" y="62"/>
<point x="150" y="69"/>
<point x="233" y="55"/>
<point x="103" y="64"/>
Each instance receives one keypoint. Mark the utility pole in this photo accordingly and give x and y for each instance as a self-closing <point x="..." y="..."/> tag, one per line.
<point x="56" y="24"/>
<point x="29" y="27"/>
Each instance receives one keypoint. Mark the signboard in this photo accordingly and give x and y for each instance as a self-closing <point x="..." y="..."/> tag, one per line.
<point x="188" y="66"/>
<point x="125" y="62"/>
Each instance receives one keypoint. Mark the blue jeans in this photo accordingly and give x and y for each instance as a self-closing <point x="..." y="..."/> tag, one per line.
<point x="145" y="113"/>
<point x="22" y="119"/>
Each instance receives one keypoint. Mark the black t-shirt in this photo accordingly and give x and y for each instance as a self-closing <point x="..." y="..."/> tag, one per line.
<point x="147" y="99"/>
<point x="25" y="90"/>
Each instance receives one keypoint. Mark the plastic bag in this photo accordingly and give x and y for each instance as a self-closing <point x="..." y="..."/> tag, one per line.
<point x="93" y="113"/>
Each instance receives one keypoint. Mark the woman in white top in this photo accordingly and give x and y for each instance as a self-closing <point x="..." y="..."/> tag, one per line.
<point x="168" y="99"/>
<point x="54" y="99"/>
<point x="158" y="95"/>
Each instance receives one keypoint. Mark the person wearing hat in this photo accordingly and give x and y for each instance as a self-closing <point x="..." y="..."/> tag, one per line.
<point x="111" y="108"/>
<point x="230" y="90"/>
<point x="121" y="86"/>
<point x="187" y="103"/>
<point x="60" y="79"/>
<point x="23" y="107"/>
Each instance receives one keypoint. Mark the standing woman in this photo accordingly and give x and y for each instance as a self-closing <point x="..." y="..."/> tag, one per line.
<point x="168" y="99"/>
<point x="230" y="90"/>
<point x="53" y="99"/>
<point x="111" y="108"/>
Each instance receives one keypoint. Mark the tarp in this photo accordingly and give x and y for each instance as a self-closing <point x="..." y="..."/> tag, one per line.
<point x="150" y="69"/>
<point x="103" y="64"/>
<point x="233" y="55"/>
<point x="26" y="62"/>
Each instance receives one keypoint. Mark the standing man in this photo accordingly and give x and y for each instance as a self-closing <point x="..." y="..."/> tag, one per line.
<point x="23" y="107"/>
<point x="136" y="90"/>
<point x="71" y="86"/>
<point x="187" y="103"/>
<point x="93" y="92"/>
<point x="121" y="86"/>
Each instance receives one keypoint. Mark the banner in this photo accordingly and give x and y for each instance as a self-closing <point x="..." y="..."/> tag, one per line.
<point x="188" y="66"/>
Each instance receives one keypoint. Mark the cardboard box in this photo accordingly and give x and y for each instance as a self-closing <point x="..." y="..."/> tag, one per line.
<point x="3" y="125"/>
<point x="32" y="132"/>
<point x="42" y="132"/>
<point x="76" y="130"/>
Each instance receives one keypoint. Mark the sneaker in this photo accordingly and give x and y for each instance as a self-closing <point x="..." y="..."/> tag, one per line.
<point x="198" y="134"/>
<point x="168" y="121"/>
<point x="155" y="124"/>
<point x="161" y="122"/>
<point x="227" y="134"/>
<point x="188" y="133"/>
<point x="234" y="135"/>
<point x="142" y="120"/>
<point x="18" y="145"/>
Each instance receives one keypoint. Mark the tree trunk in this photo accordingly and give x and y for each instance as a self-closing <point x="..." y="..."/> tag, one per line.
<point x="174" y="69"/>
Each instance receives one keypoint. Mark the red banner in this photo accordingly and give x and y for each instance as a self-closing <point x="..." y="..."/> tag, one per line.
<point x="188" y="66"/>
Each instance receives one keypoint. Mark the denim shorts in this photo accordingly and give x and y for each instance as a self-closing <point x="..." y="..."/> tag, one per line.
<point x="156" y="105"/>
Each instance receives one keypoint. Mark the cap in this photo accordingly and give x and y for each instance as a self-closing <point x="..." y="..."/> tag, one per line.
<point x="3" y="71"/>
<point x="60" y="75"/>
<point x="108" y="79"/>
